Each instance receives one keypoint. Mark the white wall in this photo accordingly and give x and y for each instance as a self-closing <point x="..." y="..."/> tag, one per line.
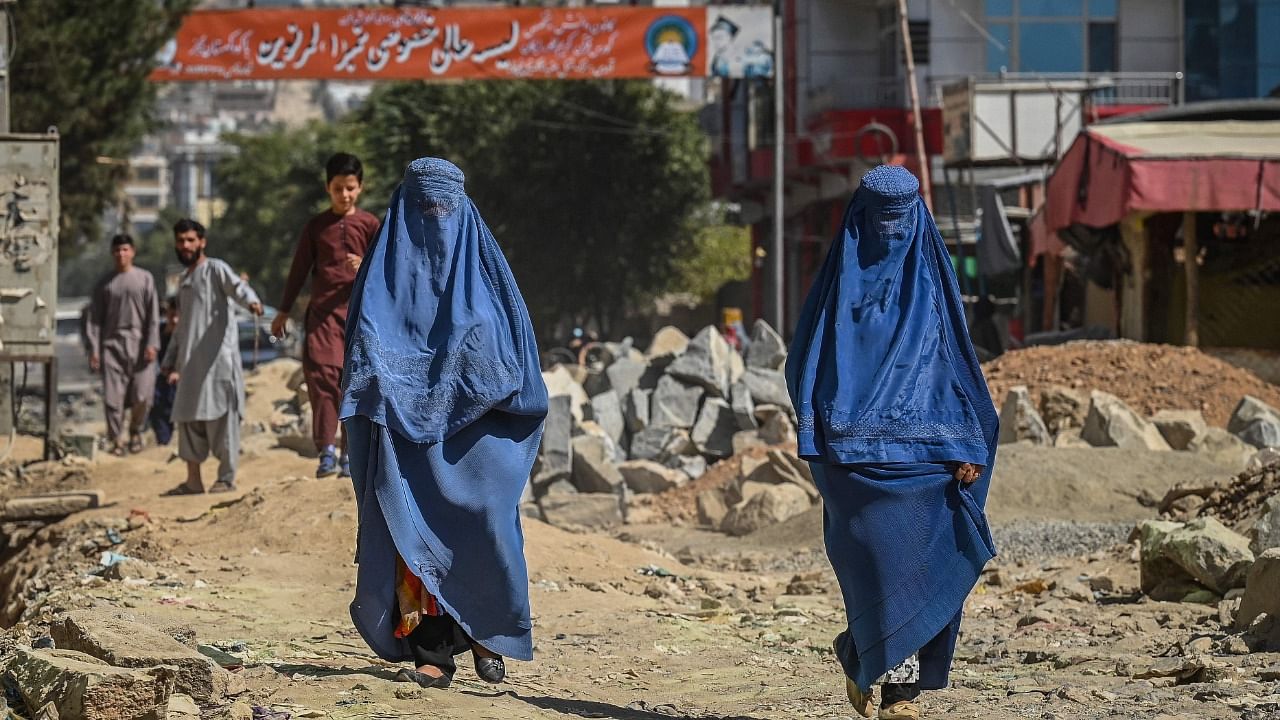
<point x="1150" y="35"/>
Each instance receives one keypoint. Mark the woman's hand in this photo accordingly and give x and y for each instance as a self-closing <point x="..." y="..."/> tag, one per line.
<point x="968" y="473"/>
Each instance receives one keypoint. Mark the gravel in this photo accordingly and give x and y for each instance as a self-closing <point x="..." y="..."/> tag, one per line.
<point x="1037" y="540"/>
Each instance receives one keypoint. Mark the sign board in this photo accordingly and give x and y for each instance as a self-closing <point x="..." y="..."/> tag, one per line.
<point x="470" y="43"/>
<point x="28" y="242"/>
<point x="1010" y="123"/>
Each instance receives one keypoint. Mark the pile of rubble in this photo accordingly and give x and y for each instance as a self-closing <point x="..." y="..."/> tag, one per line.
<point x="1063" y="417"/>
<point x="1147" y="377"/>
<point x="645" y="423"/>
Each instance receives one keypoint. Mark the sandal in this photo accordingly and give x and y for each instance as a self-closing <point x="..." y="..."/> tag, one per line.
<point x="117" y="450"/>
<point x="222" y="487"/>
<point x="135" y="444"/>
<point x="901" y="710"/>
<point x="183" y="489"/>
<point x="491" y="670"/>
<point x="862" y="702"/>
<point x="422" y="679"/>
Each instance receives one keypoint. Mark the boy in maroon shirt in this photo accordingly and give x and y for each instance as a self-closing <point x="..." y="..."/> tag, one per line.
<point x="330" y="250"/>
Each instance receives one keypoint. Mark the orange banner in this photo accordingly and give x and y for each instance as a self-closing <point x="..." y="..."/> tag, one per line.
<point x="457" y="43"/>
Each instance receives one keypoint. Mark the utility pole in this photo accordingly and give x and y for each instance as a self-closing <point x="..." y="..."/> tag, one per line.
<point x="922" y="155"/>
<point x="778" y="315"/>
<point x="6" y="50"/>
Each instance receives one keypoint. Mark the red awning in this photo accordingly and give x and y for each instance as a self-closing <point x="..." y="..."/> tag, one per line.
<point x="1113" y="170"/>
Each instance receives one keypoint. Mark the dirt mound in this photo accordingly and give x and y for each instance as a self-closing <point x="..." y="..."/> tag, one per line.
<point x="679" y="506"/>
<point x="1147" y="377"/>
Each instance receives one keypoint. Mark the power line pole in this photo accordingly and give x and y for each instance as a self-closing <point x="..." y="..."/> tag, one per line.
<point x="6" y="52"/>
<point x="778" y="254"/>
<point x="922" y="155"/>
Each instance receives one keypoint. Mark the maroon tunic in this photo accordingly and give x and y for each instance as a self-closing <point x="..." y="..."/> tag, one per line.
<point x="322" y="253"/>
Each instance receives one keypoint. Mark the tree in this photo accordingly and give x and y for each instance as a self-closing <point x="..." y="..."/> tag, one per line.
<point x="592" y="187"/>
<point x="83" y="67"/>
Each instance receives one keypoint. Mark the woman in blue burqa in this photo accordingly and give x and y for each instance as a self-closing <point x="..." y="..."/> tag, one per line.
<point x="896" y="421"/>
<point x="443" y="404"/>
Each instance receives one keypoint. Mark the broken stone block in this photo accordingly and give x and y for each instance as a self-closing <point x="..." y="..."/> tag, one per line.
<point x="647" y="476"/>
<point x="707" y="363"/>
<point x="1203" y="550"/>
<point x="692" y="465"/>
<point x="746" y="439"/>
<point x="713" y="432"/>
<point x="1180" y="428"/>
<point x="1062" y="408"/>
<point x="1256" y="422"/>
<point x="1019" y="420"/>
<point x="624" y="374"/>
<point x="777" y="428"/>
<point x="764" y="505"/>
<point x="636" y="410"/>
<point x="1262" y="590"/>
<point x="767" y="350"/>
<point x="131" y="569"/>
<point x="667" y="342"/>
<point x="1223" y="448"/>
<point x="1265" y="533"/>
<point x="768" y="387"/>
<point x="606" y="411"/>
<point x="593" y="468"/>
<point x="783" y="467"/>
<point x="674" y="404"/>
<point x="555" y="454"/>
<point x="586" y="510"/>
<point x="1111" y="423"/>
<point x="559" y="381"/>
<point x="744" y="406"/>
<point x="81" y="687"/>
<point x="712" y="507"/>
<point x="132" y="645"/>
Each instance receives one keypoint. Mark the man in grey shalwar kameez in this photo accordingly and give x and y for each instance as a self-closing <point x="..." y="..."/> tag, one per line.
<point x="203" y="358"/>
<point x="122" y="329"/>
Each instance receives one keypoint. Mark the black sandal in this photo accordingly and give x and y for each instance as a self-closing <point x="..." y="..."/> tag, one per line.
<point x="422" y="679"/>
<point x="135" y="444"/>
<point x="183" y="489"/>
<point x="491" y="670"/>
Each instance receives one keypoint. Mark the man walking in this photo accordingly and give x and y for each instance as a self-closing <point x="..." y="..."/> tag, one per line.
<point x="123" y="332"/>
<point x="330" y="250"/>
<point x="203" y="359"/>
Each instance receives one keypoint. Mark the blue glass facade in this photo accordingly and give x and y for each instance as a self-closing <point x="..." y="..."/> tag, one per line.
<point x="1051" y="36"/>
<point x="1232" y="48"/>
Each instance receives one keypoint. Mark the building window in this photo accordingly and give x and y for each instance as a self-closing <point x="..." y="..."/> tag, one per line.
<point x="146" y="174"/>
<point x="1051" y="36"/>
<point x="146" y="202"/>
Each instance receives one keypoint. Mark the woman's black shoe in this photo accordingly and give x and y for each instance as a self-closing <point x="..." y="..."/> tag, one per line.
<point x="491" y="670"/>
<point x="423" y="679"/>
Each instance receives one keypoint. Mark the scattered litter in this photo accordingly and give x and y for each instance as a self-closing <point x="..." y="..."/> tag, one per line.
<point x="113" y="537"/>
<point x="108" y="558"/>
<point x="655" y="571"/>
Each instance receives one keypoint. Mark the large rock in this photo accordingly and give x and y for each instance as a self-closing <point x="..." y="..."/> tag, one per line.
<point x="712" y="507"/>
<point x="707" y="363"/>
<point x="1256" y="422"/>
<point x="1265" y="533"/>
<point x="713" y="432"/>
<point x="694" y="466"/>
<point x="1262" y="590"/>
<point x="1019" y="420"/>
<point x="1180" y="428"/>
<point x="81" y="687"/>
<point x="776" y="428"/>
<point x="593" y="468"/>
<point x="561" y="382"/>
<point x="651" y="443"/>
<point x="636" y="410"/>
<point x="674" y="403"/>
<point x="767" y="350"/>
<point x="1111" y="423"/>
<point x="555" y="454"/>
<point x="1204" y="550"/>
<point x="606" y="411"/>
<point x="625" y="373"/>
<point x="782" y="467"/>
<point x="744" y="440"/>
<point x="667" y="342"/>
<point x="595" y="511"/>
<point x="1062" y="408"/>
<point x="768" y="387"/>
<point x="744" y="406"/>
<point x="131" y="645"/>
<point x="647" y="476"/>
<point x="764" y="505"/>
<point x="1223" y="448"/>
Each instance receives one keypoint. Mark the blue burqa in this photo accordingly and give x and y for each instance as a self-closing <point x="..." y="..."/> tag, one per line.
<point x="889" y="396"/>
<point x="443" y="404"/>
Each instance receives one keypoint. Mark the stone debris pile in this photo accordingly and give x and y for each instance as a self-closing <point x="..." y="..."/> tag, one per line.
<point x="639" y="424"/>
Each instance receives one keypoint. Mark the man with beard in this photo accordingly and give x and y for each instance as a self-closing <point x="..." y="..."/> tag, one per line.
<point x="203" y="360"/>
<point x="122" y="328"/>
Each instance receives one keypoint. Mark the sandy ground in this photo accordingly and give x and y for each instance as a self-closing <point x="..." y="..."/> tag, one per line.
<point x="740" y="629"/>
